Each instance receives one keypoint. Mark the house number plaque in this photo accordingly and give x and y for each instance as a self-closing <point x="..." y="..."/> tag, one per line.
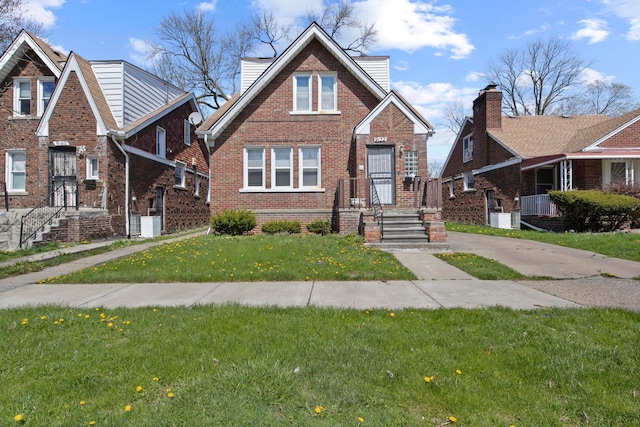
<point x="380" y="139"/>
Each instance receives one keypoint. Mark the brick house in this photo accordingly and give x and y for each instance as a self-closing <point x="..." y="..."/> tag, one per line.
<point x="501" y="167"/>
<point x="312" y="133"/>
<point x="105" y="139"/>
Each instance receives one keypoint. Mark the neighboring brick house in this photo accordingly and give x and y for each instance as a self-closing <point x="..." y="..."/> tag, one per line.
<point x="502" y="164"/>
<point x="309" y="132"/>
<point x="109" y="140"/>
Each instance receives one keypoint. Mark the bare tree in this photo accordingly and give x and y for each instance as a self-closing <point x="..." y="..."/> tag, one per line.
<point x="193" y="55"/>
<point x="264" y="29"/>
<point x="435" y="168"/>
<point x="454" y="116"/>
<point x="12" y="20"/>
<point x="338" y="17"/>
<point x="601" y="97"/>
<point x="537" y="78"/>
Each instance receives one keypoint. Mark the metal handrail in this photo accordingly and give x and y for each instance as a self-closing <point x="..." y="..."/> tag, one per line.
<point x="378" y="208"/>
<point x="41" y="215"/>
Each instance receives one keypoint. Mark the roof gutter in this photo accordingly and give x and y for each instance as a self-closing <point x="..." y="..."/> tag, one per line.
<point x="114" y="137"/>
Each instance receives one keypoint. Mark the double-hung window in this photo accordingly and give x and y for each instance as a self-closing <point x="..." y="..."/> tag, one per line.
<point x="467" y="148"/>
<point x="282" y="167"/>
<point x="92" y="167"/>
<point x="468" y="181"/>
<point x="16" y="171"/>
<point x="309" y="167"/>
<point x="45" y="90"/>
<point x="302" y="92"/>
<point x="186" y="129"/>
<point x="179" y="173"/>
<point x="22" y="97"/>
<point x="328" y="99"/>
<point x="161" y="142"/>
<point x="254" y="176"/>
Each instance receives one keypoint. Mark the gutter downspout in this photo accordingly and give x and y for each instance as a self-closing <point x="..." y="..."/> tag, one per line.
<point x="114" y="138"/>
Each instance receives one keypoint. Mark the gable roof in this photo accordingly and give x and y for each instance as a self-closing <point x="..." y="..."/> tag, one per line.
<point x="597" y="134"/>
<point x="53" y="59"/>
<point x="313" y="32"/>
<point x="102" y="110"/>
<point x="420" y="125"/>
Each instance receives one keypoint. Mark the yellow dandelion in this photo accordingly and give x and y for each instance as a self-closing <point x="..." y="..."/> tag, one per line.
<point x="92" y="423"/>
<point x="43" y="317"/>
<point x="428" y="379"/>
<point x="86" y="316"/>
<point x="392" y="314"/>
<point x="453" y="419"/>
<point x="319" y="409"/>
<point x="458" y="371"/>
<point x="18" y="418"/>
<point x="25" y="321"/>
<point x="127" y="408"/>
<point x="110" y="324"/>
<point x="82" y="402"/>
<point x="139" y="388"/>
<point x="170" y="395"/>
<point x="156" y="379"/>
<point x="360" y="419"/>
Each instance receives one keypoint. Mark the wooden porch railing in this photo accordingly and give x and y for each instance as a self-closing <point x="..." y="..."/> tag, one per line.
<point x="433" y="193"/>
<point x="538" y="205"/>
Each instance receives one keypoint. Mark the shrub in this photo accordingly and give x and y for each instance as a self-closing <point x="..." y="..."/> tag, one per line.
<point x="319" y="226"/>
<point x="593" y="210"/>
<point x="233" y="222"/>
<point x="281" y="226"/>
<point x="628" y="190"/>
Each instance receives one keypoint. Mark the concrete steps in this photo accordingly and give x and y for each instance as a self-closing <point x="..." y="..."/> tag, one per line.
<point x="403" y="227"/>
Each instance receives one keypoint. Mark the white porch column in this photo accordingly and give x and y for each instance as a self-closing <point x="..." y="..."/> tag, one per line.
<point x="566" y="175"/>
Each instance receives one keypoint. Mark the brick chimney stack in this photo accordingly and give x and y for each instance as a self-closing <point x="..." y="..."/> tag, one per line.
<point x="487" y="108"/>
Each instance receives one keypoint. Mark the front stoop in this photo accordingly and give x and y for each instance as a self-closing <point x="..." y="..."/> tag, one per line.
<point x="405" y="229"/>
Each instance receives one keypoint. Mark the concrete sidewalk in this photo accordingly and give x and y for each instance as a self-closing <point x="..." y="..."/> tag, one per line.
<point x="438" y="284"/>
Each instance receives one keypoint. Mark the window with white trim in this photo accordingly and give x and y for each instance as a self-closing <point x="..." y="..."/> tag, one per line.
<point x="467" y="148"/>
<point x="623" y="171"/>
<point x="328" y="99"/>
<point x="179" y="174"/>
<point x="410" y="164"/>
<point x="45" y="90"/>
<point x="254" y="176"/>
<point x="468" y="181"/>
<point x="302" y="92"/>
<point x="187" y="132"/>
<point x="309" y="167"/>
<point x="281" y="167"/>
<point x="22" y="97"/>
<point x="16" y="171"/>
<point x="92" y="167"/>
<point x="161" y="142"/>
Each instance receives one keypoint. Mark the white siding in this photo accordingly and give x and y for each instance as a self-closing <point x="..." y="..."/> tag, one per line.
<point x="251" y="69"/>
<point x="377" y="67"/>
<point x="131" y="92"/>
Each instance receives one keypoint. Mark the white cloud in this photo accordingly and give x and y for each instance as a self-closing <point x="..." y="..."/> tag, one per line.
<point x="589" y="75"/>
<point x="595" y="30"/>
<point x="474" y="76"/>
<point x="40" y="11"/>
<point x="288" y="12"/>
<point x="209" y="6"/>
<point x="630" y="10"/>
<point x="401" y="66"/>
<point x="139" y="51"/>
<point x="541" y="29"/>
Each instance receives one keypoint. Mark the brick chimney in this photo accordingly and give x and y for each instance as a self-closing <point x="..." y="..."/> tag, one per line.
<point x="487" y="108"/>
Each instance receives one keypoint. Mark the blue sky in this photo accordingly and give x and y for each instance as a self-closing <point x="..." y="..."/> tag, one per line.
<point x="438" y="49"/>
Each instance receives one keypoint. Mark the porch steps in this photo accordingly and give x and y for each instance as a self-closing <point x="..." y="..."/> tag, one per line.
<point x="401" y="226"/>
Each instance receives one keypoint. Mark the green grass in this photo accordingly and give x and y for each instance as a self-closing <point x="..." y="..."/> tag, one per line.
<point x="231" y="365"/>
<point x="616" y="245"/>
<point x="481" y="267"/>
<point x="248" y="259"/>
<point x="19" y="253"/>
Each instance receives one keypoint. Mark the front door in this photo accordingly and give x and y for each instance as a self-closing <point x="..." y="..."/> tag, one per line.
<point x="380" y="168"/>
<point x="63" y="170"/>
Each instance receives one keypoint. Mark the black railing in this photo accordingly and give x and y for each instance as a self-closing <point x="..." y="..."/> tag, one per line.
<point x="378" y="208"/>
<point x="46" y="211"/>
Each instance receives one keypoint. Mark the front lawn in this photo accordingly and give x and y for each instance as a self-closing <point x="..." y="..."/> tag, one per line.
<point x="248" y="259"/>
<point x="232" y="365"/>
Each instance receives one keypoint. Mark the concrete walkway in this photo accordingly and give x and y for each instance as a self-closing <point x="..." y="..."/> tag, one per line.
<point x="438" y="284"/>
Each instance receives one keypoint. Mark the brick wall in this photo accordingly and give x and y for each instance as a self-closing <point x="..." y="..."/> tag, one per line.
<point x="18" y="133"/>
<point x="627" y="138"/>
